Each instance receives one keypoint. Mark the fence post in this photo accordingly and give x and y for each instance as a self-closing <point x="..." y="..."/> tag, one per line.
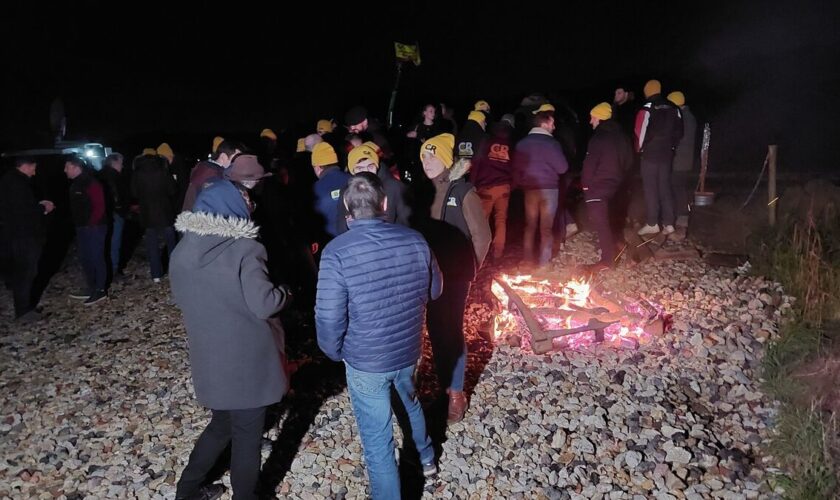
<point x="771" y="184"/>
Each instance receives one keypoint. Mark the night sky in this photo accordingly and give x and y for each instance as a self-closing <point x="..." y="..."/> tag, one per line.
<point x="759" y="71"/>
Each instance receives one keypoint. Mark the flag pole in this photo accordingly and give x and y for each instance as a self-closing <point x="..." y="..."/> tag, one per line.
<point x="393" y="101"/>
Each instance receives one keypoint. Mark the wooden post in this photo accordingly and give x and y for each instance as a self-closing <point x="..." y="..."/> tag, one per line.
<point x="771" y="183"/>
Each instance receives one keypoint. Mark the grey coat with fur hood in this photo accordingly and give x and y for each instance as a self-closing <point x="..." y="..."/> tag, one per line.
<point x="219" y="280"/>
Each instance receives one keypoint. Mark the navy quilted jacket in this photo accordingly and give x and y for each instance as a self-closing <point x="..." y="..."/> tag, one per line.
<point x="373" y="286"/>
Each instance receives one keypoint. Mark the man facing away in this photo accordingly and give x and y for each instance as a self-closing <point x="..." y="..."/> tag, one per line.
<point x="373" y="286"/>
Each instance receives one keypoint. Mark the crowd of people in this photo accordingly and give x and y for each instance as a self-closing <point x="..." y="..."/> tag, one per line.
<point x="343" y="227"/>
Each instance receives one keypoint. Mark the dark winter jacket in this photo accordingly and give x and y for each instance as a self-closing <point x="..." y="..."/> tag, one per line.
<point x="204" y="172"/>
<point x="219" y="280"/>
<point x="155" y="191"/>
<point x="373" y="286"/>
<point x="327" y="190"/>
<point x="539" y="161"/>
<point x="116" y="191"/>
<point x="87" y="201"/>
<point x="469" y="140"/>
<point x="494" y="165"/>
<point x="398" y="211"/>
<point x="21" y="213"/>
<point x="687" y="148"/>
<point x="608" y="158"/>
<point x="658" y="129"/>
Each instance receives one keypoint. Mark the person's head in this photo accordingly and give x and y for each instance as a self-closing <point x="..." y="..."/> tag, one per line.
<point x="482" y="106"/>
<point x="677" y="97"/>
<point x="364" y="196"/>
<point x="544" y="118"/>
<point x="223" y="198"/>
<point x="246" y="170"/>
<point x="356" y="119"/>
<point x="115" y="161"/>
<point x="509" y="120"/>
<point x="601" y="112"/>
<point x="478" y="117"/>
<point x="429" y="114"/>
<point x="225" y="152"/>
<point x="437" y="155"/>
<point x="323" y="156"/>
<point x="165" y="150"/>
<point x="621" y="96"/>
<point x="26" y="165"/>
<point x="215" y="144"/>
<point x="324" y="127"/>
<point x="310" y="141"/>
<point x="268" y="134"/>
<point x="73" y="167"/>
<point x="363" y="158"/>
<point x="652" y="88"/>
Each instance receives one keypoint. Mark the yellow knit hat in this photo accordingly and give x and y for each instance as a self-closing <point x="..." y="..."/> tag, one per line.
<point x="323" y="154"/>
<point x="477" y="116"/>
<point x="652" y="87"/>
<point x="677" y="97"/>
<point x="441" y="146"/>
<point x="359" y="153"/>
<point x="544" y="108"/>
<point x="150" y="152"/>
<point x="301" y="145"/>
<point x="217" y="141"/>
<point x="603" y="111"/>
<point x="324" y="127"/>
<point x="166" y="151"/>
<point x="482" y="106"/>
<point x="267" y="132"/>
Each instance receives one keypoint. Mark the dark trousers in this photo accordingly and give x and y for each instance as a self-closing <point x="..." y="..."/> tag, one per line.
<point x="446" y="333"/>
<point x="242" y="430"/>
<point x="91" y="241"/>
<point x="598" y="212"/>
<point x="153" y="235"/>
<point x="659" y="193"/>
<point x="23" y="267"/>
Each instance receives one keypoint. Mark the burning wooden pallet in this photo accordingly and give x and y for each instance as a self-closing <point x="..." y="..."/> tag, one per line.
<point x="573" y="311"/>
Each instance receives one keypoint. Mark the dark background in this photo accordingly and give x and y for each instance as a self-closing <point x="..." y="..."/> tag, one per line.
<point x="761" y="72"/>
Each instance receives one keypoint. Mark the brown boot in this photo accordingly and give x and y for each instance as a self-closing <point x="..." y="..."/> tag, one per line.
<point x="458" y="405"/>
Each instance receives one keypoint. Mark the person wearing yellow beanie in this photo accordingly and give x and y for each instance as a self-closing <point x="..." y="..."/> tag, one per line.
<point x="363" y="158"/>
<point x="268" y="134"/>
<point x="544" y="108"/>
<point x="165" y="150"/>
<point x="149" y="152"/>
<point x="301" y="145"/>
<point x="327" y="189"/>
<point x="652" y="88"/>
<point x="472" y="136"/>
<point x="216" y="142"/>
<point x="677" y="97"/>
<point x="460" y="242"/>
<point x="482" y="106"/>
<point x="323" y="127"/>
<point x="608" y="157"/>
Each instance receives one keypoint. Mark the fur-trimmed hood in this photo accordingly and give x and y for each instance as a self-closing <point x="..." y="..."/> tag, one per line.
<point x="207" y="237"/>
<point x="204" y="224"/>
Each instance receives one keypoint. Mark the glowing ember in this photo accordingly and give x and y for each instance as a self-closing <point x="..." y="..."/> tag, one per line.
<point x="571" y="314"/>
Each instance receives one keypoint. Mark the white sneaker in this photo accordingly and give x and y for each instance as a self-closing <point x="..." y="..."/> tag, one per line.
<point x="156" y="280"/>
<point x="571" y="229"/>
<point x="668" y="229"/>
<point x="648" y="229"/>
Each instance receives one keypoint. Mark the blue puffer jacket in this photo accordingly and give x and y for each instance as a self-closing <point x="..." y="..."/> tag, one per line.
<point x="373" y="286"/>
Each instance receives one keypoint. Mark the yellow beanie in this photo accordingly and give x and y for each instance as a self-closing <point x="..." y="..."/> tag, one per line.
<point x="150" y="152"/>
<point x="482" y="106"/>
<point x="652" y="87"/>
<point x="359" y="153"/>
<point x="477" y="116"/>
<point x="301" y="145"/>
<point x="324" y="127"/>
<point x="217" y="141"/>
<point x="677" y="97"/>
<point x="166" y="151"/>
<point x="544" y="108"/>
<point x="603" y="111"/>
<point x="441" y="146"/>
<point x="323" y="154"/>
<point x="267" y="132"/>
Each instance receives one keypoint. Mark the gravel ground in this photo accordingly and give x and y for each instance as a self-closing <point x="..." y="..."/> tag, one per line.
<point x="97" y="401"/>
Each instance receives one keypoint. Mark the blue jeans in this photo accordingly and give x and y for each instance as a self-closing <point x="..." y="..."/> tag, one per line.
<point x="370" y="395"/>
<point x="116" y="242"/>
<point x="91" y="241"/>
<point x="540" y="209"/>
<point x="153" y="235"/>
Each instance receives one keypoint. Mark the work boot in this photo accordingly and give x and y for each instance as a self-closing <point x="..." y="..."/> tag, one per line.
<point x="458" y="405"/>
<point x="648" y="229"/>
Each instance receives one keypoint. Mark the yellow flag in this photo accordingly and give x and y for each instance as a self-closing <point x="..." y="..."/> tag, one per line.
<point x="409" y="53"/>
